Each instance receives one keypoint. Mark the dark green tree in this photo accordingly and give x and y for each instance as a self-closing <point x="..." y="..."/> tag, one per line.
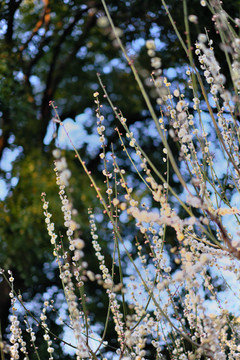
<point x="51" y="50"/>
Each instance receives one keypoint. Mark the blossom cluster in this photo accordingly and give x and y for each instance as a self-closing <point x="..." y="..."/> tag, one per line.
<point x="180" y="247"/>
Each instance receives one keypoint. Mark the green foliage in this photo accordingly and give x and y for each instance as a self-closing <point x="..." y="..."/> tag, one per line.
<point x="52" y="50"/>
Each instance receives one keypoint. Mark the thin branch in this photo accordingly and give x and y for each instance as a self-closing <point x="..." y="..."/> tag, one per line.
<point x="225" y="237"/>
